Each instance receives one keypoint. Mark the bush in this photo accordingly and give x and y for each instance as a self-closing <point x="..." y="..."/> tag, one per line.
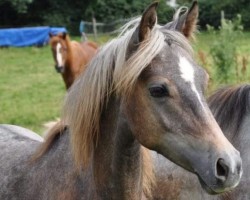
<point x="224" y="49"/>
<point x="210" y="12"/>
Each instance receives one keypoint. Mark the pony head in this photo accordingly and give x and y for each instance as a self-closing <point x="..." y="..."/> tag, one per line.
<point x="60" y="48"/>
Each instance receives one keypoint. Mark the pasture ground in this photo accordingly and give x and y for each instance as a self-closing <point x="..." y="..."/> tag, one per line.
<point x="31" y="92"/>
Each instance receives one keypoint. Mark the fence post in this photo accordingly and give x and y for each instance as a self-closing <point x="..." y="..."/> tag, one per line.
<point x="222" y="16"/>
<point x="94" y="28"/>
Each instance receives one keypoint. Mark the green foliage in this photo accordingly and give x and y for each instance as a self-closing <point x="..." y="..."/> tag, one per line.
<point x="69" y="13"/>
<point x="164" y="13"/>
<point x="224" y="49"/>
<point x="19" y="5"/>
<point x="210" y="11"/>
<point x="62" y="13"/>
<point x="110" y="10"/>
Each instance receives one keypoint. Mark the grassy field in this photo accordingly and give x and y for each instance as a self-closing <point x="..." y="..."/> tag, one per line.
<point x="31" y="92"/>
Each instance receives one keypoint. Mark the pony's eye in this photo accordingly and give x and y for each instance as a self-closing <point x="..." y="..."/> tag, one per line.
<point x="159" y="91"/>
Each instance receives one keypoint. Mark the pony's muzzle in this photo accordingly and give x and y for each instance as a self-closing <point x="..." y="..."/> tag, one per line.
<point x="224" y="160"/>
<point x="226" y="175"/>
<point x="59" y="69"/>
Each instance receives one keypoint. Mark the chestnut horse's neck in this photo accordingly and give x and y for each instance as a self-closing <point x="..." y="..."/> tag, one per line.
<point x="117" y="159"/>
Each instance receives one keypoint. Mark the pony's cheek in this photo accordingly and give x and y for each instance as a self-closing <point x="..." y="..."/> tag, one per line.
<point x="146" y="131"/>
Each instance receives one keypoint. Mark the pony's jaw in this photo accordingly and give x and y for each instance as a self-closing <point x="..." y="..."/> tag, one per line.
<point x="202" y="157"/>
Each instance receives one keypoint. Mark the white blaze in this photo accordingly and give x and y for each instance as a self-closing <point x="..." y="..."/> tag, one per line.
<point x="187" y="73"/>
<point x="59" y="54"/>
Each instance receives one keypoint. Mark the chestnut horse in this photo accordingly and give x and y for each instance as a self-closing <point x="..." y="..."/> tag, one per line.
<point x="231" y="108"/>
<point x="142" y="90"/>
<point x="71" y="57"/>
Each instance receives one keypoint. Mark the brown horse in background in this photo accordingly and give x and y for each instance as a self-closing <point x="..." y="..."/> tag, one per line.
<point x="71" y="57"/>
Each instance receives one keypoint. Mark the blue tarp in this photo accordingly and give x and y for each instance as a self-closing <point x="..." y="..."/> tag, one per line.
<point x="30" y="36"/>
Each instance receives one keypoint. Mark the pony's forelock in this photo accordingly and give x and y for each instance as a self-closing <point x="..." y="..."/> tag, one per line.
<point x="127" y="72"/>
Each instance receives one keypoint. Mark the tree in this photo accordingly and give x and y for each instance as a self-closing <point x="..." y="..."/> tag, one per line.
<point x="210" y="11"/>
<point x="111" y="10"/>
<point x="19" y="5"/>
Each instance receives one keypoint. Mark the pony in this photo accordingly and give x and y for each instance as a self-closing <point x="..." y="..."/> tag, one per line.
<point x="71" y="57"/>
<point x="231" y="108"/>
<point x="142" y="91"/>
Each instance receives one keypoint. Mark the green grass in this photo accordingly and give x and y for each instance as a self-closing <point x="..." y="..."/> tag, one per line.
<point x="31" y="92"/>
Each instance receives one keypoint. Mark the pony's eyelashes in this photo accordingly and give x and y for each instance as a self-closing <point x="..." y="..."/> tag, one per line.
<point x="159" y="90"/>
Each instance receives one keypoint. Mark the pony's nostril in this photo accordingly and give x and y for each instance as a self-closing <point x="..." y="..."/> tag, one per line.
<point x="221" y="170"/>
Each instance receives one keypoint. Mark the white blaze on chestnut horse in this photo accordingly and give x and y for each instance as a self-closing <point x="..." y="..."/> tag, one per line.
<point x="132" y="98"/>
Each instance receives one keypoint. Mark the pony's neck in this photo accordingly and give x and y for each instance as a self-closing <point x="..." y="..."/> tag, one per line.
<point x="117" y="159"/>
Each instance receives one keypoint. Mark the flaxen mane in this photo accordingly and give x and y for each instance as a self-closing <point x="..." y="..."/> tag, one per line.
<point x="109" y="72"/>
<point x="230" y="105"/>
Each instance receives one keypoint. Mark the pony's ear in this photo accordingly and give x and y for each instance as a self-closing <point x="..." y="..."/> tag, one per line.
<point x="187" y="22"/>
<point x="64" y="34"/>
<point x="50" y="35"/>
<point x="148" y="21"/>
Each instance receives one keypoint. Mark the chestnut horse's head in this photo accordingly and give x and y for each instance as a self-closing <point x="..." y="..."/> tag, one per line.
<point x="60" y="47"/>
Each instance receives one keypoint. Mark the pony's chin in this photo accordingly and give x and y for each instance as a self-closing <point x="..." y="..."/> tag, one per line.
<point x="207" y="188"/>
